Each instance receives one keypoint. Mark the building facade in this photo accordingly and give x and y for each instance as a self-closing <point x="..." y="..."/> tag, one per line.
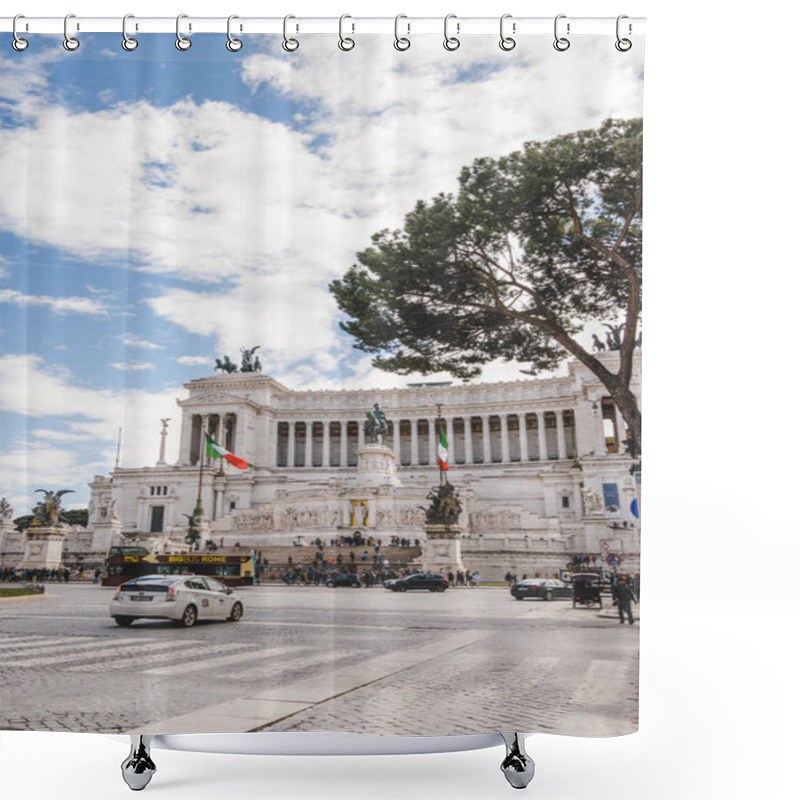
<point x="540" y="466"/>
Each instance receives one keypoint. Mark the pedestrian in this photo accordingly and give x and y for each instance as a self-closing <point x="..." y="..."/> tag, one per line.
<point x="623" y="595"/>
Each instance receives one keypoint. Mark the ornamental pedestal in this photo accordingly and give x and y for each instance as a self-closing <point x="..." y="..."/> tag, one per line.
<point x="104" y="534"/>
<point x="377" y="466"/>
<point x="441" y="549"/>
<point x="43" y="548"/>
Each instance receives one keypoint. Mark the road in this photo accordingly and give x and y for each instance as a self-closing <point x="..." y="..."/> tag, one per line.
<point x="469" y="660"/>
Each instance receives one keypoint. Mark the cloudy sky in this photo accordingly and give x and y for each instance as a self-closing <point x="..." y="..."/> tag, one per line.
<point x="163" y="208"/>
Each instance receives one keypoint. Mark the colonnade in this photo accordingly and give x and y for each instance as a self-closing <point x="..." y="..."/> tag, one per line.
<point x="477" y="439"/>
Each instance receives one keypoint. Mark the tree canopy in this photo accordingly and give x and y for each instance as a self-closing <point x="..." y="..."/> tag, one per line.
<point x="531" y="248"/>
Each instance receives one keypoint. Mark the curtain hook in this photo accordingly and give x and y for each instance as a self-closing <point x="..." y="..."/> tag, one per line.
<point x="451" y="42"/>
<point x="623" y="45"/>
<point x="401" y="42"/>
<point x="561" y="43"/>
<point x="345" y="42"/>
<point x="70" y="42"/>
<point x="289" y="45"/>
<point x="233" y="44"/>
<point x="128" y="42"/>
<point x="181" y="42"/>
<point x="506" y="42"/>
<point x="19" y="44"/>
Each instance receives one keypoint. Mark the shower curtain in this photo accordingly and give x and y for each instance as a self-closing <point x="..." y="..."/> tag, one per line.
<point x="352" y="333"/>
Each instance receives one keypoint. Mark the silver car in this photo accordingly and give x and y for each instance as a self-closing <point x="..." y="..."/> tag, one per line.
<point x="181" y="598"/>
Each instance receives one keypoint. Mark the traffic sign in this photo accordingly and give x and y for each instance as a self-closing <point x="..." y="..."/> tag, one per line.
<point x="635" y="508"/>
<point x="605" y="545"/>
<point x="613" y="560"/>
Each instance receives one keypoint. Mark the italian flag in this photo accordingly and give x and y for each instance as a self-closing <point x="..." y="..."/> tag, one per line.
<point x="214" y="450"/>
<point x="442" y="450"/>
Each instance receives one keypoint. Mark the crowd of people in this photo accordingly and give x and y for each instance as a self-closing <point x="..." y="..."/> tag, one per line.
<point x="12" y="575"/>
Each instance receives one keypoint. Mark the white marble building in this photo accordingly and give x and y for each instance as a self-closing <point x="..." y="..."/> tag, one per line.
<point x="540" y="466"/>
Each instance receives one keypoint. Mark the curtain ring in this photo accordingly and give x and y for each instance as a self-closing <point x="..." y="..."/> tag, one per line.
<point x="451" y="42"/>
<point x="233" y="44"/>
<point x="19" y="44"/>
<point x="289" y="45"/>
<point x="506" y="42"/>
<point x="70" y="42"/>
<point x="401" y="42"/>
<point x="128" y="42"/>
<point x="345" y="42"/>
<point x="181" y="42"/>
<point x="561" y="43"/>
<point x="623" y="45"/>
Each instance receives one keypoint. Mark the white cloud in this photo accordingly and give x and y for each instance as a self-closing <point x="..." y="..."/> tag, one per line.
<point x="129" y="340"/>
<point x="61" y="305"/>
<point x="193" y="360"/>
<point x="91" y="419"/>
<point x="131" y="365"/>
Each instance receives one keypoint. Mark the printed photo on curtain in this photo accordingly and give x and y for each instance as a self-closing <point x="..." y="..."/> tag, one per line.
<point x="321" y="385"/>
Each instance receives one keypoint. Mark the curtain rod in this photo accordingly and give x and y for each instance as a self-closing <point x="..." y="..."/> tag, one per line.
<point x="408" y="25"/>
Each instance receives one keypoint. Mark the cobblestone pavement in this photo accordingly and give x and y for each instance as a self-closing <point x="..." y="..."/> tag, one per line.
<point x="311" y="658"/>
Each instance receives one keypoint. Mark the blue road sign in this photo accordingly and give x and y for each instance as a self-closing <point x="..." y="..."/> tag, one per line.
<point x="613" y="560"/>
<point x="635" y="508"/>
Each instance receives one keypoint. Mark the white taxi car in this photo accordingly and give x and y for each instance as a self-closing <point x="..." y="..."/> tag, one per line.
<point x="181" y="598"/>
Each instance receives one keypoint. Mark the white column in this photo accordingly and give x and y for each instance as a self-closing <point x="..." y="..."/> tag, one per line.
<point x="309" y="444"/>
<point x="343" y="443"/>
<point x="272" y="443"/>
<point x="523" y="437"/>
<point x="361" y="436"/>
<point x="562" y="441"/>
<point x="432" y="440"/>
<point x="326" y="443"/>
<point x="504" y="447"/>
<point x="543" y="455"/>
<point x="468" y="440"/>
<point x="290" y="445"/>
<point x="396" y="439"/>
<point x="487" y="442"/>
<point x="414" y="442"/>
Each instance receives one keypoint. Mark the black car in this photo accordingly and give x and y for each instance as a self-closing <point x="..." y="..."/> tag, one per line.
<point x="343" y="580"/>
<point x="542" y="588"/>
<point x="419" y="580"/>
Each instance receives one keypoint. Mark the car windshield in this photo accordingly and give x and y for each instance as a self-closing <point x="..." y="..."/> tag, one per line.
<point x="532" y="582"/>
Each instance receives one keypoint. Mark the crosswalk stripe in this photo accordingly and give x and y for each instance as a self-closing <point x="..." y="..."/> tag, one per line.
<point x="61" y="644"/>
<point x="30" y="641"/>
<point x="212" y="663"/>
<point x="295" y="665"/>
<point x="70" y="653"/>
<point x="147" y="657"/>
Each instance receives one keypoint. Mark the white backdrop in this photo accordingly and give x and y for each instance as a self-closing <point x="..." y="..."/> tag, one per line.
<point x="718" y="694"/>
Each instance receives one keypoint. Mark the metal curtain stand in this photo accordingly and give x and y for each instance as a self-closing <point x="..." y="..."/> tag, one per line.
<point x="138" y="768"/>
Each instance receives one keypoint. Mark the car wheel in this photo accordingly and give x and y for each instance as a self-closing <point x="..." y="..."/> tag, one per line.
<point x="548" y="595"/>
<point x="402" y="588"/>
<point x="189" y="616"/>
<point x="431" y="588"/>
<point x="518" y="597"/>
<point x="236" y="612"/>
<point x="440" y="588"/>
<point x="124" y="622"/>
<point x="357" y="584"/>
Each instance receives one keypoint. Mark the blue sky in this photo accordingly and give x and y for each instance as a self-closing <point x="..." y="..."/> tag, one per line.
<point x="163" y="208"/>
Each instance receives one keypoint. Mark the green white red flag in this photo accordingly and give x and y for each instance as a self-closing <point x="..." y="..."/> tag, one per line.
<point x="215" y="450"/>
<point x="443" y="449"/>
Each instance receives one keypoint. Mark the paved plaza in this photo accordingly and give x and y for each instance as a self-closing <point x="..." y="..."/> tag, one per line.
<point x="468" y="660"/>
